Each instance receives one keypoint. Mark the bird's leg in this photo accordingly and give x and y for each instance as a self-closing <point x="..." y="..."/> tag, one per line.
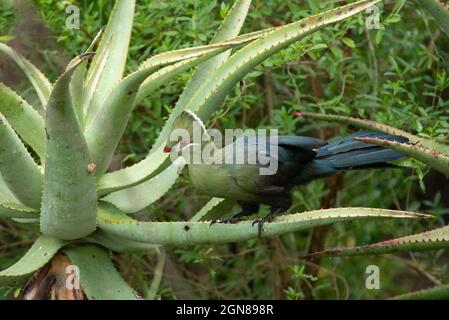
<point x="247" y="210"/>
<point x="268" y="218"/>
<point x="278" y="205"/>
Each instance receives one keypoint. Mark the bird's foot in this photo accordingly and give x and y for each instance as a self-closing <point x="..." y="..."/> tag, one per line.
<point x="232" y="219"/>
<point x="260" y="222"/>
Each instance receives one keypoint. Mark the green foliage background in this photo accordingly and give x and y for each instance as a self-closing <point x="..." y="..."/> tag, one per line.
<point x="397" y="75"/>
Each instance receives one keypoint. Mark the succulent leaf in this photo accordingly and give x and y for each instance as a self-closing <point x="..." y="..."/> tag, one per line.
<point x="436" y="293"/>
<point x="40" y="83"/>
<point x="98" y="276"/>
<point x="40" y="253"/>
<point x="25" y="120"/>
<point x="430" y="240"/>
<point x="69" y="198"/>
<point x="139" y="197"/>
<point x="17" y="211"/>
<point x="109" y="63"/>
<point x="113" y="221"/>
<point x="21" y="174"/>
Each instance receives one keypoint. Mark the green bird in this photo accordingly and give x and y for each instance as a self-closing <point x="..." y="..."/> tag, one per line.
<point x="256" y="170"/>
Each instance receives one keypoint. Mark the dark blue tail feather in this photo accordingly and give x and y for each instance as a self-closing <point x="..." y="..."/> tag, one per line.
<point x="348" y="154"/>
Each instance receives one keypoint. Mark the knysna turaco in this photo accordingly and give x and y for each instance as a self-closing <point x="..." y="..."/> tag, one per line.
<point x="299" y="160"/>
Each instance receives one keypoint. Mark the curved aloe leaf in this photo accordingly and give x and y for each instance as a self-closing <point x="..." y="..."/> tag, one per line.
<point x="78" y="84"/>
<point x="14" y="210"/>
<point x="117" y="244"/>
<point x="38" y="80"/>
<point x="113" y="47"/>
<point x="229" y="28"/>
<point x="98" y="276"/>
<point x="371" y="125"/>
<point x="69" y="196"/>
<point x="40" y="253"/>
<point x="137" y="198"/>
<point x="436" y="293"/>
<point x="213" y="203"/>
<point x="430" y="240"/>
<point x="440" y="11"/>
<point x="6" y="196"/>
<point x="21" y="174"/>
<point x="117" y="223"/>
<point x="432" y="158"/>
<point x="28" y="124"/>
<point x="213" y="92"/>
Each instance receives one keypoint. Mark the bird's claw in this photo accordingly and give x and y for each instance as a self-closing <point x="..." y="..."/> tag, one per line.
<point x="260" y="222"/>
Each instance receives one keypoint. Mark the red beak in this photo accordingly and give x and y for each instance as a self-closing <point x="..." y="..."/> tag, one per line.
<point x="167" y="149"/>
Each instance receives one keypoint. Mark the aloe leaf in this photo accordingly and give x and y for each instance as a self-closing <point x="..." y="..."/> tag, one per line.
<point x="213" y="92"/>
<point x="113" y="48"/>
<point x="6" y="196"/>
<point x="78" y="84"/>
<point x="38" y="80"/>
<point x="214" y="202"/>
<point x="117" y="244"/>
<point x="28" y="124"/>
<point x="371" y="125"/>
<point x="40" y="253"/>
<point x="137" y="198"/>
<point x="432" y="158"/>
<point x="430" y="240"/>
<point x="157" y="275"/>
<point x="20" y="173"/>
<point x="133" y="175"/>
<point x="229" y="28"/>
<point x="436" y="293"/>
<point x="98" y="276"/>
<point x="14" y="210"/>
<point x="440" y="11"/>
<point x="117" y="223"/>
<point x="69" y="196"/>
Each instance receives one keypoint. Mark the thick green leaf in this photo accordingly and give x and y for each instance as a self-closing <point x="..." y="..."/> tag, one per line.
<point x="28" y="124"/>
<point x="117" y="223"/>
<point x="109" y="63"/>
<point x="219" y="83"/>
<point x="6" y="196"/>
<point x="14" y="210"/>
<point x="430" y="240"/>
<point x="37" y="78"/>
<point x="137" y="198"/>
<point x="436" y="293"/>
<point x="371" y="125"/>
<point x="78" y="84"/>
<point x="117" y="244"/>
<point x="69" y="197"/>
<point x="229" y="29"/>
<point x="98" y="276"/>
<point x="40" y="253"/>
<point x="440" y="11"/>
<point x="21" y="174"/>
<point x="213" y="203"/>
<point x="432" y="158"/>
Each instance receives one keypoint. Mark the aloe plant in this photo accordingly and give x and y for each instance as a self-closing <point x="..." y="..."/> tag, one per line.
<point x="63" y="184"/>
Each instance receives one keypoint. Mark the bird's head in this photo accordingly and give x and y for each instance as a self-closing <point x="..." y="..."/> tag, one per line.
<point x="186" y="130"/>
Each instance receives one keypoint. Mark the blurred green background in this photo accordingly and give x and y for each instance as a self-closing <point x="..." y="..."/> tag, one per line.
<point x="397" y="75"/>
